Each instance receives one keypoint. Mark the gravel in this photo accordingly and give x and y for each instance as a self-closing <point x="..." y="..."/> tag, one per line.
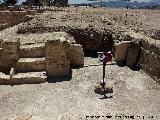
<point x="134" y="93"/>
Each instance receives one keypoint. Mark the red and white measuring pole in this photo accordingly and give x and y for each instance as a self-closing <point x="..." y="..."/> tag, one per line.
<point x="104" y="57"/>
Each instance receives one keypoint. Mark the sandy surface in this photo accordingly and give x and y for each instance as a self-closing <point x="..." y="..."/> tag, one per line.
<point x="144" y="21"/>
<point x="135" y="93"/>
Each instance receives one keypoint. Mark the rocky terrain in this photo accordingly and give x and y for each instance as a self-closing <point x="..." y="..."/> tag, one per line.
<point x="134" y="92"/>
<point x="145" y="21"/>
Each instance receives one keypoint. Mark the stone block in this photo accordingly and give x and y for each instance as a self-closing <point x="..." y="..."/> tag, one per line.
<point x="76" y="55"/>
<point x="132" y="54"/>
<point x="30" y="64"/>
<point x="27" y="78"/>
<point x="57" y="54"/>
<point x="32" y="51"/>
<point x="121" y="52"/>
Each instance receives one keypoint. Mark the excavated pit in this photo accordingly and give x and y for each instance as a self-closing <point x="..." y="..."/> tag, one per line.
<point x="92" y="39"/>
<point x="103" y="36"/>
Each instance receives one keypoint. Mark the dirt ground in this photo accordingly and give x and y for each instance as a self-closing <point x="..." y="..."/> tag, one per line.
<point x="134" y="93"/>
<point x="144" y="21"/>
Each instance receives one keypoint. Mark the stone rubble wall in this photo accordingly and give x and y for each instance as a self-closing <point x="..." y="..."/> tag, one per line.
<point x="11" y="18"/>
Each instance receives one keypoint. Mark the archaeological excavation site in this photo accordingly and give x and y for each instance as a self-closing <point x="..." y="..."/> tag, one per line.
<point x="49" y="65"/>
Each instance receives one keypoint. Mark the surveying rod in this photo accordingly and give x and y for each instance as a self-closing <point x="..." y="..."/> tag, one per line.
<point x="104" y="57"/>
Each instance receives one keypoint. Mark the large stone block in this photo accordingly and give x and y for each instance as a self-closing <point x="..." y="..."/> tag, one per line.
<point x="9" y="54"/>
<point x="76" y="55"/>
<point x="32" y="51"/>
<point x="27" y="78"/>
<point x="57" y="57"/>
<point x="30" y="64"/>
<point x="132" y="54"/>
<point x="121" y="52"/>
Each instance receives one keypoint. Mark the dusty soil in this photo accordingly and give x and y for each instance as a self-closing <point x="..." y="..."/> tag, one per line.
<point x="91" y="26"/>
<point x="134" y="93"/>
<point x="145" y="21"/>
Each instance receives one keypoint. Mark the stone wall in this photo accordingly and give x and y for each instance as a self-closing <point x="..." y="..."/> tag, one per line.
<point x="11" y="18"/>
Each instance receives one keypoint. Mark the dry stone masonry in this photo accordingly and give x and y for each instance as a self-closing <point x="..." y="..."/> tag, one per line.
<point x="26" y="63"/>
<point x="41" y="52"/>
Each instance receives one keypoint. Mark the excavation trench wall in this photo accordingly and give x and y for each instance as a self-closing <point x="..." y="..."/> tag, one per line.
<point x="92" y="39"/>
<point x="150" y="59"/>
<point x="148" y="55"/>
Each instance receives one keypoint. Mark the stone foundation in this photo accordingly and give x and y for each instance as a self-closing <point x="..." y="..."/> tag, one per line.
<point x="9" y="54"/>
<point x="53" y="56"/>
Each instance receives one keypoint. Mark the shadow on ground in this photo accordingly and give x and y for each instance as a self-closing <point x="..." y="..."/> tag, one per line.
<point x="60" y="79"/>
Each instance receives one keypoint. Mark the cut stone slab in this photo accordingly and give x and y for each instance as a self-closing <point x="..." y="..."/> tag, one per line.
<point x="30" y="64"/>
<point x="27" y="78"/>
<point x="57" y="54"/>
<point x="76" y="55"/>
<point x="32" y="51"/>
<point x="9" y="54"/>
<point x="121" y="52"/>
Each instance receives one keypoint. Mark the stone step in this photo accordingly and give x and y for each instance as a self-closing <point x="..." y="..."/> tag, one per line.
<point x="30" y="65"/>
<point x="23" y="78"/>
<point x="32" y="51"/>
